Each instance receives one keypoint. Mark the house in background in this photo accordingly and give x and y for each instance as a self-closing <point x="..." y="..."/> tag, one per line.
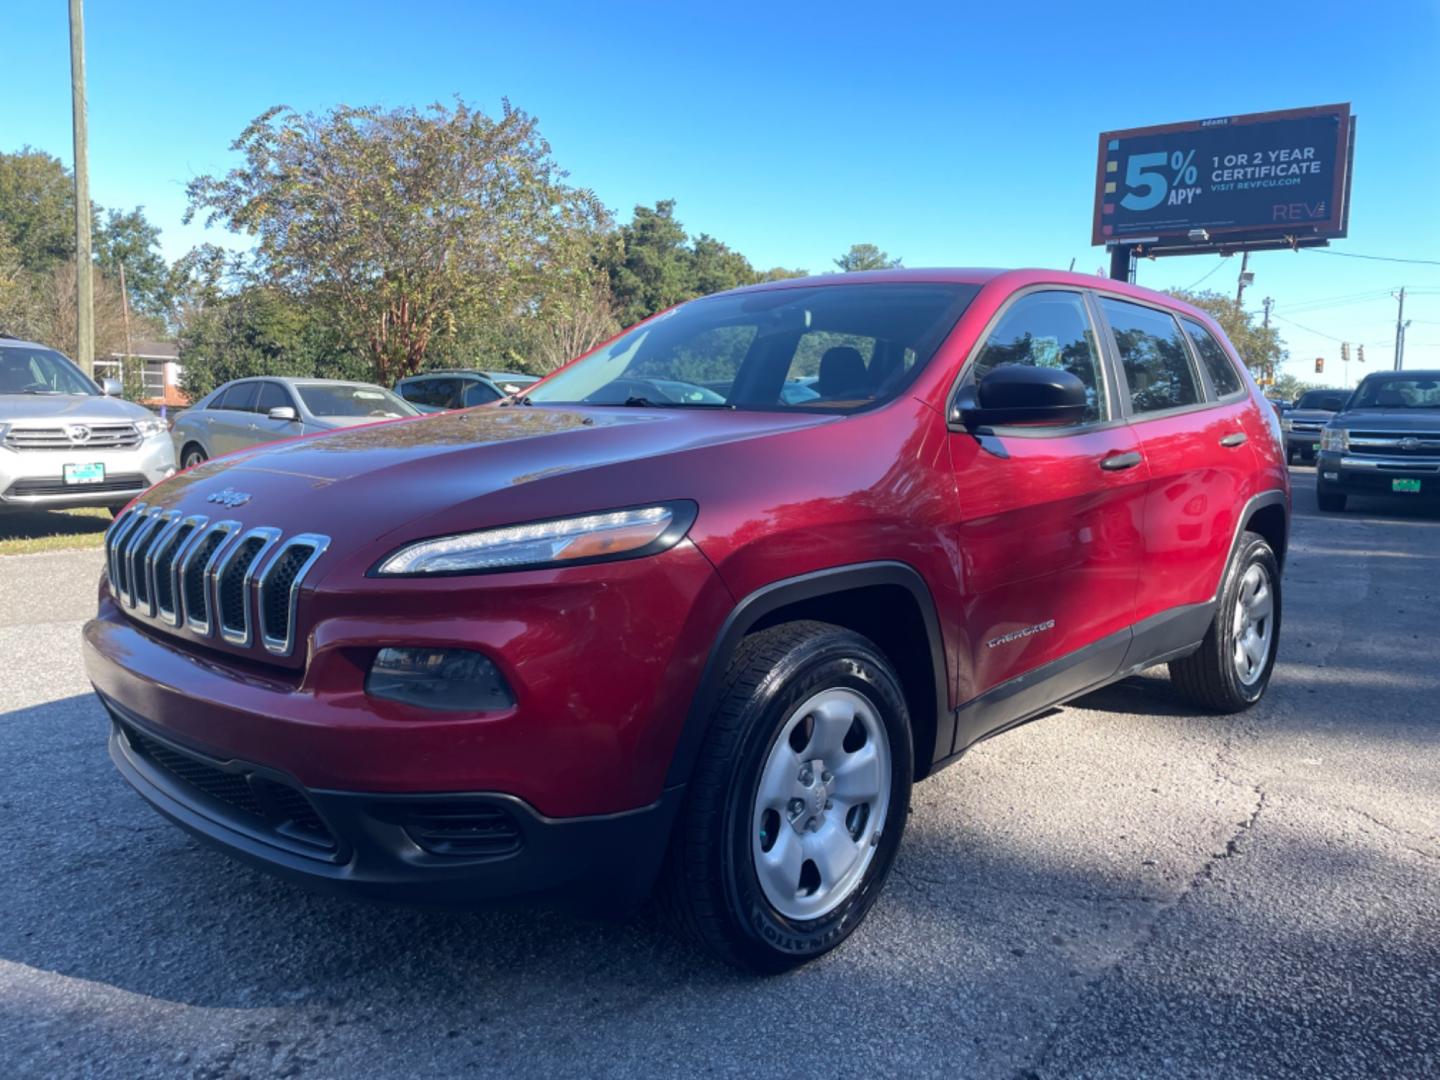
<point x="160" y="372"/>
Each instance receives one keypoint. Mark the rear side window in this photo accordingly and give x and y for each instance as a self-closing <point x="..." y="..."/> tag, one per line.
<point x="438" y="393"/>
<point x="1153" y="354"/>
<point x="239" y="398"/>
<point x="1048" y="330"/>
<point x="1218" y="364"/>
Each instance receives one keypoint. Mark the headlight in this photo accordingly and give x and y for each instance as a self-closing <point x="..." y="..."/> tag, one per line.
<point x="150" y="428"/>
<point x="1286" y="424"/>
<point x="618" y="534"/>
<point x="1334" y="439"/>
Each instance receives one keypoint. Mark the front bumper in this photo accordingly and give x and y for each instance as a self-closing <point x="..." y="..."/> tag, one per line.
<point x="1302" y="442"/>
<point x="1355" y="474"/>
<point x="452" y="849"/>
<point x="35" y="479"/>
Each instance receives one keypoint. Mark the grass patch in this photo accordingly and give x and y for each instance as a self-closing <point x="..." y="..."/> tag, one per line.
<point x="26" y="531"/>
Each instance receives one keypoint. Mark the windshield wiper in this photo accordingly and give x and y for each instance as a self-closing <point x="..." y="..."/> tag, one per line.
<point x="52" y="393"/>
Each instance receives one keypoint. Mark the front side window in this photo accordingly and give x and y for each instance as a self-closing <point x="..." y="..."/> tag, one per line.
<point x="479" y="393"/>
<point x="273" y="396"/>
<point x="25" y="370"/>
<point x="1048" y="330"/>
<point x="347" y="399"/>
<point x="1217" y="362"/>
<point x="823" y="348"/>
<point x="1153" y="354"/>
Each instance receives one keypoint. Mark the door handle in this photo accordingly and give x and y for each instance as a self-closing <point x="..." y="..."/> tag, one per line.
<point x="1235" y="438"/>
<point x="1116" y="462"/>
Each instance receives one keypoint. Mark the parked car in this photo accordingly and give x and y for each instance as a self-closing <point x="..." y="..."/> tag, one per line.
<point x="1386" y="441"/>
<point x="580" y="642"/>
<point x="247" y="412"/>
<point x="66" y="441"/>
<point x="436" y="391"/>
<point x="1302" y="423"/>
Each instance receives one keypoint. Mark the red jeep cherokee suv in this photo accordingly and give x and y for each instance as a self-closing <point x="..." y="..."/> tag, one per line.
<point x="701" y="606"/>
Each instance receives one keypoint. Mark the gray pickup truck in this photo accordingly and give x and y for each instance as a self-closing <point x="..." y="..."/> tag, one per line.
<point x="66" y="441"/>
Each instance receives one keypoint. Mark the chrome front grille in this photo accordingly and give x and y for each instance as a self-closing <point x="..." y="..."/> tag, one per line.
<point x="74" y="437"/>
<point x="206" y="577"/>
<point x="1306" y="427"/>
<point x="1421" y="444"/>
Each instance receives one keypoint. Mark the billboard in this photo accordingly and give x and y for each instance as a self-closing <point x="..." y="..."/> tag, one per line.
<point x="1226" y="183"/>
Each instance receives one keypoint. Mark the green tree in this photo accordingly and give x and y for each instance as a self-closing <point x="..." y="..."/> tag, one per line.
<point x="1262" y="348"/>
<point x="37" y="208"/>
<point x="402" y="225"/>
<point x="652" y="268"/>
<point x="866" y="257"/>
<point x="130" y="239"/>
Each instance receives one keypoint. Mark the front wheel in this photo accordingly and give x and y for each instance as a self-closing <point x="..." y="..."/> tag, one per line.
<point x="798" y="801"/>
<point x="1232" y="667"/>
<point x="194" y="455"/>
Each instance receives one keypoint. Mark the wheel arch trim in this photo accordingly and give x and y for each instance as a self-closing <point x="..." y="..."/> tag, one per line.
<point x="812" y="586"/>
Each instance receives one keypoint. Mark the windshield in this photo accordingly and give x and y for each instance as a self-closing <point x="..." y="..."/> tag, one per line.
<point x="1398" y="392"/>
<point x="30" y="370"/>
<point x="324" y="399"/>
<point x="828" y="348"/>
<point x="1324" y="400"/>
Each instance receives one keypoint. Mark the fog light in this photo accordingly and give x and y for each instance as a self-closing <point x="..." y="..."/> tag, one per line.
<point x="1331" y="475"/>
<point x="448" y="680"/>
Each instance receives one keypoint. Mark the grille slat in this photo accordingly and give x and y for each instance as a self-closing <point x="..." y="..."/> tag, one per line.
<point x="199" y="576"/>
<point x="113" y="484"/>
<point x="462" y="829"/>
<point x="1421" y="444"/>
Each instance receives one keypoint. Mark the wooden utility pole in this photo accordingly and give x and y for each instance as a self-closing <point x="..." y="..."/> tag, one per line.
<point x="84" y="283"/>
<point x="1240" y="284"/>
<point x="1400" y="329"/>
<point x="125" y="310"/>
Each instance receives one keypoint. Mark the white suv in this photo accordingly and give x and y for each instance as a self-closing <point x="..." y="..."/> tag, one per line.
<point x="65" y="442"/>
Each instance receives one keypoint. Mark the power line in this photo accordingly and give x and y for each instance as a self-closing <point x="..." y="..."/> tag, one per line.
<point x="1374" y="258"/>
<point x="1206" y="274"/>
<point x="1307" y="329"/>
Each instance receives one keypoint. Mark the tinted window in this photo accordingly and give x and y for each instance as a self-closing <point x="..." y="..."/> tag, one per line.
<point x="1326" y="400"/>
<point x="1048" y="330"/>
<point x="479" y="393"/>
<point x="1156" y="363"/>
<point x="239" y="398"/>
<point x="273" y="396"/>
<point x="1217" y="362"/>
<point x="438" y="393"/>
<point x="860" y="344"/>
<point x="40" y="371"/>
<point x="351" y="399"/>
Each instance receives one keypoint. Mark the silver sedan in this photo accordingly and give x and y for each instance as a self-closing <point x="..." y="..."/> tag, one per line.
<point x="247" y="412"/>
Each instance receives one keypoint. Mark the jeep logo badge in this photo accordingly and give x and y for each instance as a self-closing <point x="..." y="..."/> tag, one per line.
<point x="229" y="497"/>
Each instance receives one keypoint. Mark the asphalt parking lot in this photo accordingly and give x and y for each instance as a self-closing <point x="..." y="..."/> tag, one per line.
<point x="1125" y="888"/>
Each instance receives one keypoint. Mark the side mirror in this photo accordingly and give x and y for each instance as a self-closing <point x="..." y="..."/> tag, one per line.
<point x="283" y="412"/>
<point x="111" y="387"/>
<point x="1018" y="394"/>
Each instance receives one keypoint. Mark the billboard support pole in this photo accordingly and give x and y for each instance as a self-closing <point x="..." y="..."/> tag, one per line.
<point x="1122" y="263"/>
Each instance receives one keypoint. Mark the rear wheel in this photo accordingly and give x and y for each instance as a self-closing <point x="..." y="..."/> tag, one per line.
<point x="798" y="800"/>
<point x="1332" y="502"/>
<point x="192" y="455"/>
<point x="1232" y="667"/>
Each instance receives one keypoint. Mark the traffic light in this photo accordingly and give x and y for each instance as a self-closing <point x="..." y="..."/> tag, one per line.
<point x="1319" y="365"/>
<point x="1345" y="351"/>
<point x="1362" y="354"/>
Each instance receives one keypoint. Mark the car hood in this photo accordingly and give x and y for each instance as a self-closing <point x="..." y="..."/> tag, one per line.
<point x="1390" y="419"/>
<point x="67" y="408"/>
<point x="1314" y="415"/>
<point x="367" y="482"/>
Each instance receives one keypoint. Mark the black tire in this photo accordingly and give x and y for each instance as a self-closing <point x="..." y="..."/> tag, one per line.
<point x="193" y="454"/>
<point x="711" y="890"/>
<point x="1208" y="676"/>
<point x="1331" y="502"/>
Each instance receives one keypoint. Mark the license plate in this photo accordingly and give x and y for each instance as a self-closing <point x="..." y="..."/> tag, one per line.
<point x="93" y="473"/>
<point x="1410" y="486"/>
<point x="1315" y="447"/>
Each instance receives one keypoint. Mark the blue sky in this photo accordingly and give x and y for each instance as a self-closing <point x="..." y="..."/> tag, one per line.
<point x="945" y="134"/>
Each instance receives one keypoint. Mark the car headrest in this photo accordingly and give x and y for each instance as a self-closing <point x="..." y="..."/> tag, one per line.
<point x="1391" y="398"/>
<point x="842" y="373"/>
